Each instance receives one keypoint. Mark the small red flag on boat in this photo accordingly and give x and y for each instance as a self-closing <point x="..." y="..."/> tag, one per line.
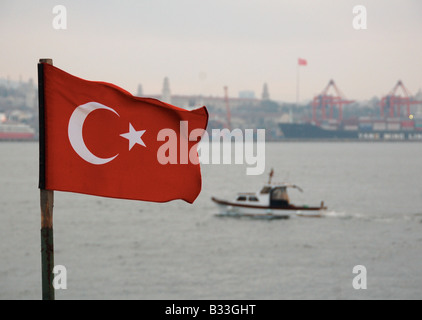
<point x="99" y="139"/>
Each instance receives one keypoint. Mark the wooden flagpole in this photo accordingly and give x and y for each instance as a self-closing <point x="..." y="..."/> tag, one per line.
<point x="46" y="198"/>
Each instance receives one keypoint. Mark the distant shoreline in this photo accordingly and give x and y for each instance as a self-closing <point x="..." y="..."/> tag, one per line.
<point x="292" y="140"/>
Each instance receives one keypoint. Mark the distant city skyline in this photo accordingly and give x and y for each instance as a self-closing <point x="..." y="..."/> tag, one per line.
<point x="165" y="94"/>
<point x="203" y="46"/>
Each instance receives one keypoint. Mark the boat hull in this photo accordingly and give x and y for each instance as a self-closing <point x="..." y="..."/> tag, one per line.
<point x="227" y="208"/>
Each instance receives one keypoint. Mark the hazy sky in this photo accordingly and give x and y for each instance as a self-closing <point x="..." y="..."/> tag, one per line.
<point x="203" y="45"/>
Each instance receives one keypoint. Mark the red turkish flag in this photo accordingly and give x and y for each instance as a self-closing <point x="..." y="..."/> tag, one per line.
<point x="101" y="140"/>
<point x="302" y="62"/>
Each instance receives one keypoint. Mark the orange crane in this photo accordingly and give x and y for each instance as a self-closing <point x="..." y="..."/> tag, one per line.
<point x="393" y="102"/>
<point x="324" y="100"/>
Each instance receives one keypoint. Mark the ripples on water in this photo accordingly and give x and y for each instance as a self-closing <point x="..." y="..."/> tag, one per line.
<point x="119" y="249"/>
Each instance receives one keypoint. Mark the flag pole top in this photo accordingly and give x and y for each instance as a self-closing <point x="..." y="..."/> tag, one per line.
<point x="46" y="60"/>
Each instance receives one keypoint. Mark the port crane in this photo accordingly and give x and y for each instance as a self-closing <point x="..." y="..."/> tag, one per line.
<point x="393" y="102"/>
<point x="325" y="100"/>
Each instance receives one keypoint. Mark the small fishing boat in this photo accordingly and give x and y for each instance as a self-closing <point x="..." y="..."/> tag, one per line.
<point x="271" y="202"/>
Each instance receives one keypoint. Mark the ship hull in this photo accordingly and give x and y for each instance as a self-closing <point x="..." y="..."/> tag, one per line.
<point x="16" y="136"/>
<point x="16" y="132"/>
<point x="308" y="131"/>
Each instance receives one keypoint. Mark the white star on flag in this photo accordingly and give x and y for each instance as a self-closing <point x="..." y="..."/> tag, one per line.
<point x="134" y="136"/>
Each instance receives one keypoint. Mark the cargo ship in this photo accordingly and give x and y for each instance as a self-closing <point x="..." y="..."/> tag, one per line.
<point x="11" y="131"/>
<point x="395" y="121"/>
<point x="363" y="129"/>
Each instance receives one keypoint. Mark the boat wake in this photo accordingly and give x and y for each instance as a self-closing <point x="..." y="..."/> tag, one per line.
<point x="376" y="217"/>
<point x="341" y="215"/>
<point x="413" y="217"/>
<point x="253" y="216"/>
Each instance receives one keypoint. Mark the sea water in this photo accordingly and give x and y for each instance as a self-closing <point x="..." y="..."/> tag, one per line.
<point x="122" y="249"/>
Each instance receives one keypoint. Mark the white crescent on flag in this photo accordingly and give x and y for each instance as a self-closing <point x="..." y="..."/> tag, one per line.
<point x="76" y="139"/>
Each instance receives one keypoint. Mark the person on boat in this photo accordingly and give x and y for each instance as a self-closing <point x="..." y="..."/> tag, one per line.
<point x="279" y="197"/>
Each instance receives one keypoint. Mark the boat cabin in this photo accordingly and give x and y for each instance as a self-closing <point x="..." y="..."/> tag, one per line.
<point x="274" y="196"/>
